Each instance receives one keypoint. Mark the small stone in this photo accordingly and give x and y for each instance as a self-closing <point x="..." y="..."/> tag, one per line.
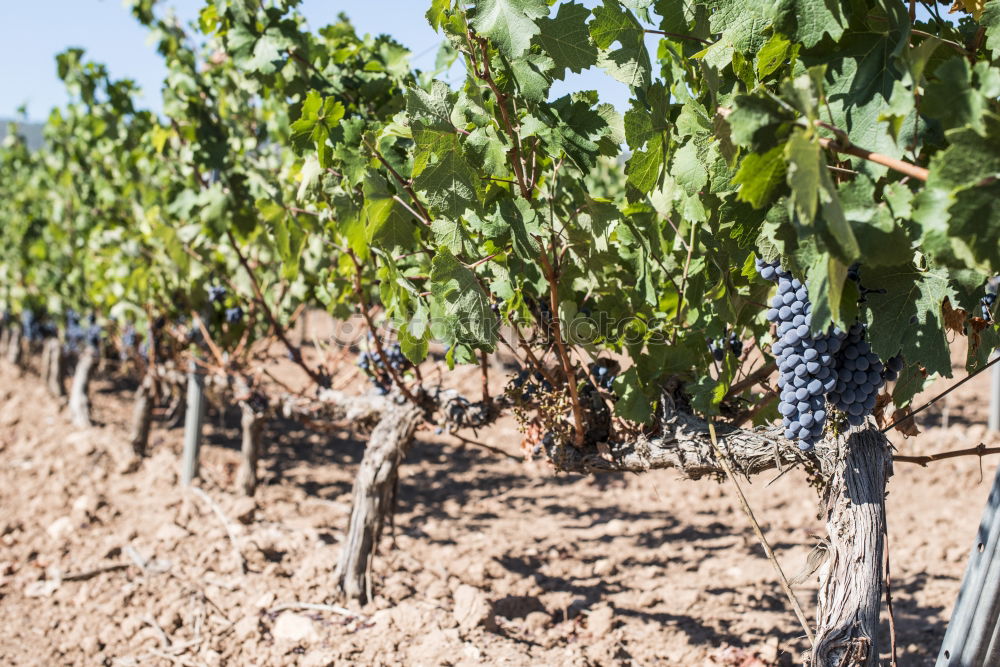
<point x="246" y="628"/>
<point x="294" y="628"/>
<point x="537" y="621"/>
<point x="600" y="620"/>
<point x="244" y="510"/>
<point x="60" y="528"/>
<point x="265" y="600"/>
<point x="603" y="567"/>
<point x="472" y="609"/>
<point x="170" y="532"/>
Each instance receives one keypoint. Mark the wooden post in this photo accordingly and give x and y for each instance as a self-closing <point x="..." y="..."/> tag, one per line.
<point x="973" y="635"/>
<point x="193" y="418"/>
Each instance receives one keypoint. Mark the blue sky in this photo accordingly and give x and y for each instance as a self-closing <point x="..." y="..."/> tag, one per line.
<point x="34" y="32"/>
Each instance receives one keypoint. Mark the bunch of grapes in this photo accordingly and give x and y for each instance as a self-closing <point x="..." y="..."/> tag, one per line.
<point x="93" y="332"/>
<point x="234" y="315"/>
<point x="129" y="339"/>
<point x="377" y="369"/>
<point x="860" y="376"/>
<point x="30" y="326"/>
<point x="805" y="360"/>
<point x="216" y="293"/>
<point x="74" y="332"/>
<point x="718" y="346"/>
<point x="604" y="372"/>
<point x="528" y="384"/>
<point x="839" y="365"/>
<point x="986" y="303"/>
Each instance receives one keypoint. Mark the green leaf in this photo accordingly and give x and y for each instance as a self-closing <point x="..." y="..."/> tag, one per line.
<point x="760" y="176"/>
<point x="808" y="21"/>
<point x="772" y="55"/>
<point x="461" y="310"/>
<point x="443" y="175"/>
<point x="908" y="317"/>
<point x="805" y="160"/>
<point x="566" y="38"/>
<point x="632" y="404"/>
<point x="629" y="63"/>
<point x="644" y="167"/>
<point x="387" y="222"/>
<point x="510" y="24"/>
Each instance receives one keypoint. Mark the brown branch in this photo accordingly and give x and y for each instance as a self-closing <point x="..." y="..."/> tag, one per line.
<point x="912" y="170"/>
<point x="486" y="376"/>
<point x="941" y="395"/>
<point x="551" y="276"/>
<point x="517" y="160"/>
<point x="758" y="375"/>
<point x="980" y="450"/>
<point x="748" y="415"/>
<point x="279" y="331"/>
<point x="680" y="293"/>
<point x="531" y="355"/>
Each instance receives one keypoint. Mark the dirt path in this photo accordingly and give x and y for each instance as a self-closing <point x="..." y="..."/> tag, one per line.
<point x="495" y="562"/>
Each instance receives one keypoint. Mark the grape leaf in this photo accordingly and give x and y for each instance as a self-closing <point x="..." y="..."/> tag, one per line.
<point x="566" y="38"/>
<point x="510" y="24"/>
<point x="460" y="308"/>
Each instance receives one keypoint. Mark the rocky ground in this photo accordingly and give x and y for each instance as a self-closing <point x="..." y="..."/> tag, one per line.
<point x="491" y="561"/>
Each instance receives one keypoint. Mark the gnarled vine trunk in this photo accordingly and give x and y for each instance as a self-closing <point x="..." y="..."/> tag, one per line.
<point x="850" y="594"/>
<point x="14" y="346"/>
<point x="54" y="367"/>
<point x="142" y="415"/>
<point x="79" y="399"/>
<point x="252" y="425"/>
<point x="374" y="495"/>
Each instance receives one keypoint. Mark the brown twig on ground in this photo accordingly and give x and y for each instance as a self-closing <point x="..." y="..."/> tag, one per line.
<point x="214" y="506"/>
<point x="90" y="574"/>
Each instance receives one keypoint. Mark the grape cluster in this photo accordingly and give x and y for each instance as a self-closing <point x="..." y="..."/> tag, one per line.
<point x="377" y="369"/>
<point x="986" y="303"/>
<point x="860" y="375"/>
<point x="93" y="332"/>
<point x="74" y="332"/>
<point x="718" y="346"/>
<point x="805" y="360"/>
<point x="604" y="372"/>
<point x="528" y="384"/>
<point x="234" y="315"/>
<point x="838" y="366"/>
<point x="216" y="293"/>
